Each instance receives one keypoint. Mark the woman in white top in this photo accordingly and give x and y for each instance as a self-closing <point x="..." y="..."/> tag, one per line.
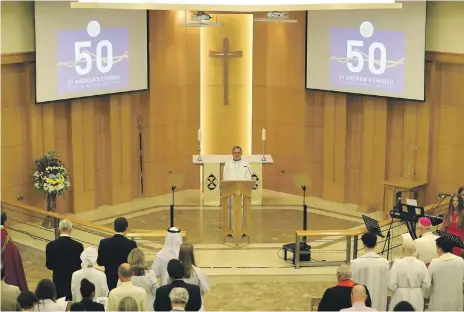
<point x="46" y="296"/>
<point x="98" y="278"/>
<point x="170" y="251"/>
<point x="193" y="275"/>
<point x="142" y="276"/>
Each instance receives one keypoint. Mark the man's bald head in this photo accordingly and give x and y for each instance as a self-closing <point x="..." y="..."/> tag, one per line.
<point x="125" y="272"/>
<point x="358" y="294"/>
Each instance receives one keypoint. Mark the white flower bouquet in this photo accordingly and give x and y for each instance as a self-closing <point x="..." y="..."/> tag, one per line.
<point x="51" y="177"/>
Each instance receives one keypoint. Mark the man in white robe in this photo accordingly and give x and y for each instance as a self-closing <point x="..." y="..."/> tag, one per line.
<point x="426" y="248"/>
<point x="408" y="276"/>
<point x="237" y="168"/>
<point x="447" y="273"/>
<point x="371" y="270"/>
<point x="170" y="251"/>
<point x="98" y="278"/>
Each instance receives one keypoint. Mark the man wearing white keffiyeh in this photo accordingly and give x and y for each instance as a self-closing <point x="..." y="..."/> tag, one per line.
<point x="170" y="251"/>
<point x="98" y="278"/>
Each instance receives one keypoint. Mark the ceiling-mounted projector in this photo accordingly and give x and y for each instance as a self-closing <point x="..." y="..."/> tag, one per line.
<point x="275" y="17"/>
<point x="201" y="19"/>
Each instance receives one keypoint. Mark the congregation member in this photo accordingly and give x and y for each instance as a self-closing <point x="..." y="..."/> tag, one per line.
<point x="11" y="258"/>
<point x="9" y="294"/>
<point x="96" y="277"/>
<point x="126" y="289"/>
<point x="176" y="273"/>
<point x="179" y="297"/>
<point x="453" y="222"/>
<point x="27" y="301"/>
<point x="461" y="193"/>
<point x="170" y="250"/>
<point x="142" y="276"/>
<point x="425" y="246"/>
<point x="113" y="251"/>
<point x="404" y="306"/>
<point x="63" y="257"/>
<point x="447" y="274"/>
<point x="87" y="291"/>
<point x="408" y="276"/>
<point x="193" y="275"/>
<point x="237" y="168"/>
<point x="46" y="297"/>
<point x="339" y="296"/>
<point x="371" y="270"/>
<point x="358" y="299"/>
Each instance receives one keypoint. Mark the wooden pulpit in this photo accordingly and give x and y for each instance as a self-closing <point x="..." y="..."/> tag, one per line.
<point x="236" y="209"/>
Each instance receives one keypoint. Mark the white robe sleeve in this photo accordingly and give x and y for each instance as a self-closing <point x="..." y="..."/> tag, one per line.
<point x="104" y="287"/>
<point x="74" y="287"/>
<point x="226" y="171"/>
<point x="393" y="278"/>
<point x="157" y="267"/>
<point x="426" y="282"/>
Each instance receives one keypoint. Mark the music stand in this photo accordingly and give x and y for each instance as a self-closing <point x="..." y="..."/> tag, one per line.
<point x="174" y="181"/>
<point x="456" y="240"/>
<point x="372" y="226"/>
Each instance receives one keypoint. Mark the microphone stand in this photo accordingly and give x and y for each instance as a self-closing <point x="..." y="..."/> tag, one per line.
<point x="171" y="208"/>
<point x="305" y="217"/>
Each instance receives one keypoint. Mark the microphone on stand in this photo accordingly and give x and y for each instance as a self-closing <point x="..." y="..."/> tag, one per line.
<point x="443" y="195"/>
<point x="251" y="175"/>
<point x="398" y="204"/>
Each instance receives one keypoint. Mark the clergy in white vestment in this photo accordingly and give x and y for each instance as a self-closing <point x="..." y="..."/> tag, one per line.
<point x="371" y="270"/>
<point x="237" y="168"/>
<point x="447" y="274"/>
<point x="170" y="251"/>
<point x="98" y="278"/>
<point x="408" y="276"/>
<point x="426" y="248"/>
<point x="358" y="300"/>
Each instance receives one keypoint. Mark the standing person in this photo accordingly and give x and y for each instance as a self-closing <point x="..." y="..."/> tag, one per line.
<point x="193" y="274"/>
<point x="113" y="251"/>
<point x="371" y="270"/>
<point x="27" y="301"/>
<point x="358" y="300"/>
<point x="46" y="297"/>
<point x="170" y="251"/>
<point x="126" y="289"/>
<point x="142" y="276"/>
<point x="179" y="297"/>
<point x="453" y="222"/>
<point x="63" y="257"/>
<point x="447" y="274"/>
<point x="87" y="303"/>
<point x="237" y="168"/>
<point x="408" y="276"/>
<point x="11" y="258"/>
<point x="425" y="246"/>
<point x="461" y="193"/>
<point x="96" y="277"/>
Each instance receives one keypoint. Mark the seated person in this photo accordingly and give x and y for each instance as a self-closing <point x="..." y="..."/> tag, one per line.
<point x="88" y="293"/>
<point x="27" y="301"/>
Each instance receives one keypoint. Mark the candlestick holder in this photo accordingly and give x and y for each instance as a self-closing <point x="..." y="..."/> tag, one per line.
<point x="199" y="152"/>
<point x="264" y="151"/>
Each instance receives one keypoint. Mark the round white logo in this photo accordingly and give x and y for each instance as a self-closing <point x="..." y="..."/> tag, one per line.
<point x="366" y="29"/>
<point x="93" y="29"/>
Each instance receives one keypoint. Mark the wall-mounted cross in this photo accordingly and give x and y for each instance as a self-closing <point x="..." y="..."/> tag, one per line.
<point x="225" y="54"/>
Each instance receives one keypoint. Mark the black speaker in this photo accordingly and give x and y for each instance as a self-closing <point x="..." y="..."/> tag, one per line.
<point x="305" y="252"/>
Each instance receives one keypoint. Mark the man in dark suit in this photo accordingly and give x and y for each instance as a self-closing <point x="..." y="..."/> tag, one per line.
<point x="176" y="272"/>
<point x="63" y="257"/>
<point x="113" y="251"/>
<point x="339" y="296"/>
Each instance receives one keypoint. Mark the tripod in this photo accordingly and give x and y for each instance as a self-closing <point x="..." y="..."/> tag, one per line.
<point x="387" y="242"/>
<point x="171" y="207"/>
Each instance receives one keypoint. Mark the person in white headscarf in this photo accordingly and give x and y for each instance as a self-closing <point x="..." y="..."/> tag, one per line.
<point x="170" y="251"/>
<point x="98" y="278"/>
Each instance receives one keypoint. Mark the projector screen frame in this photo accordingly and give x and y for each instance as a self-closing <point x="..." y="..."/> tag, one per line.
<point x="364" y="94"/>
<point x="95" y="95"/>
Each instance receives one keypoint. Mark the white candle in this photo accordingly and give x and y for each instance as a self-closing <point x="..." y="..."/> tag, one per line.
<point x="263" y="134"/>
<point x="199" y="135"/>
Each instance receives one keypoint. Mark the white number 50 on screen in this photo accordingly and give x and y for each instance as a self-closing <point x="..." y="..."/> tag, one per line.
<point x="104" y="65"/>
<point x="352" y="53"/>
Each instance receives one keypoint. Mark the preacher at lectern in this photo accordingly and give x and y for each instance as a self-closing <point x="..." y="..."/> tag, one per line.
<point x="237" y="168"/>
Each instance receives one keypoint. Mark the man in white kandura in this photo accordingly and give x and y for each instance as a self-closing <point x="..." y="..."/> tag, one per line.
<point x="447" y="273"/>
<point x="237" y="168"/>
<point x="408" y="276"/>
<point x="371" y="270"/>
<point x="426" y="248"/>
<point x="170" y="251"/>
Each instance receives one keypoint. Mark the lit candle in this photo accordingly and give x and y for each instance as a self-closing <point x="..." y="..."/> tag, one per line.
<point x="199" y="135"/>
<point x="263" y="134"/>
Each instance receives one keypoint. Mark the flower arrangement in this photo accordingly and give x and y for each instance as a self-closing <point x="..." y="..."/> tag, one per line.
<point x="51" y="177"/>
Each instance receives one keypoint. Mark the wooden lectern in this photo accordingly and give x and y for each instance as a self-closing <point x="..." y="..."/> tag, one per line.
<point x="236" y="209"/>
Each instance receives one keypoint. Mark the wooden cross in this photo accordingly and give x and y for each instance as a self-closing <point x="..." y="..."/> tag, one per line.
<point x="225" y="54"/>
<point x="412" y="150"/>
